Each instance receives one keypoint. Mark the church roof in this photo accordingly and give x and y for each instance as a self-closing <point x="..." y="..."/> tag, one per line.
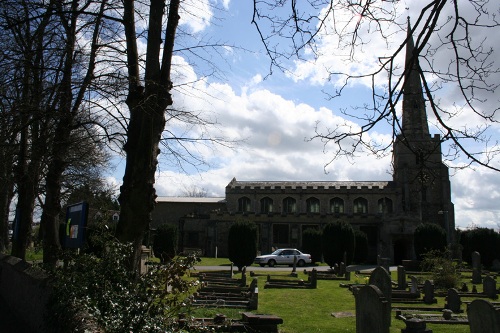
<point x="308" y="184"/>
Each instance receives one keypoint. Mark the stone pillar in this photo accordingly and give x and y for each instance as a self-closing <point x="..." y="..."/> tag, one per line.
<point x="476" y="267"/>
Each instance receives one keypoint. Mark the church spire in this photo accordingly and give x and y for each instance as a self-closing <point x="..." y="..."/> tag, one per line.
<point x="414" y="115"/>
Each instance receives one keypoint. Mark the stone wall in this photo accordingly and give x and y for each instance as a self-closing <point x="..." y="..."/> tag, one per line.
<point x="25" y="289"/>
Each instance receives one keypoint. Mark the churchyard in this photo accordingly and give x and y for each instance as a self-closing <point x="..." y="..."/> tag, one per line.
<point x="331" y="306"/>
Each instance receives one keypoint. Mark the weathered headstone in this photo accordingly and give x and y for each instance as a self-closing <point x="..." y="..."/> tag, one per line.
<point x="401" y="278"/>
<point x="453" y="301"/>
<point x="313" y="278"/>
<point x="429" y="292"/>
<point x="372" y="311"/>
<point x="294" y="269"/>
<point x="414" y="284"/>
<point x="244" y="276"/>
<point x="490" y="287"/>
<point x="382" y="280"/>
<point x="483" y="317"/>
<point x="476" y="267"/>
<point x="342" y="269"/>
<point x="336" y="268"/>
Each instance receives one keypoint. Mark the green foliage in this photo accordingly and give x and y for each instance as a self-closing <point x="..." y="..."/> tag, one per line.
<point x="428" y="237"/>
<point x="361" y="246"/>
<point x="311" y="243"/>
<point x="112" y="296"/>
<point x="165" y="242"/>
<point x="242" y="243"/>
<point x="483" y="240"/>
<point x="445" y="272"/>
<point x="337" y="239"/>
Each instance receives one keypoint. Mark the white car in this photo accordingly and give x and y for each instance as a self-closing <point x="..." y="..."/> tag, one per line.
<point x="283" y="257"/>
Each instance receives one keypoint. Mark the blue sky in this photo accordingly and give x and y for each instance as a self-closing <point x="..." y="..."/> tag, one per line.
<point x="272" y="117"/>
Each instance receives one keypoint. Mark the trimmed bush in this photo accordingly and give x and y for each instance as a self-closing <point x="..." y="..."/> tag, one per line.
<point x="242" y="243"/>
<point x="483" y="240"/>
<point x="337" y="239"/>
<point x="445" y="272"/>
<point x="361" y="246"/>
<point x="165" y="242"/>
<point x="311" y="243"/>
<point x="428" y="237"/>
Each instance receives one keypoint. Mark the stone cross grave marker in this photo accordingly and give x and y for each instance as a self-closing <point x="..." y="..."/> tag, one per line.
<point x="372" y="310"/>
<point x="483" y="317"/>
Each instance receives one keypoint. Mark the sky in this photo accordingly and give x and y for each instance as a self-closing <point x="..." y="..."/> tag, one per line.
<point x="269" y="120"/>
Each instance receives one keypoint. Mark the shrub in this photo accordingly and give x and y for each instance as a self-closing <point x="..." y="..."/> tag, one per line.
<point x="165" y="242"/>
<point x="483" y="240"/>
<point x="337" y="239"/>
<point x="428" y="237"/>
<point x="361" y="246"/>
<point x="445" y="272"/>
<point x="115" y="298"/>
<point x="311" y="243"/>
<point x="242" y="243"/>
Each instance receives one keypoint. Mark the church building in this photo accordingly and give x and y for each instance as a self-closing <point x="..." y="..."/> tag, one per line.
<point x="387" y="211"/>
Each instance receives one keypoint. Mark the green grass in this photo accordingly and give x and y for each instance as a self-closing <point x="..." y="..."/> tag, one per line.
<point x="310" y="310"/>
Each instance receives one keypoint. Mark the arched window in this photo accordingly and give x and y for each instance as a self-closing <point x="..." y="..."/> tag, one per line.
<point x="312" y="205"/>
<point x="289" y="205"/>
<point x="385" y="205"/>
<point x="337" y="205"/>
<point x="266" y="205"/>
<point x="360" y="206"/>
<point x="244" y="204"/>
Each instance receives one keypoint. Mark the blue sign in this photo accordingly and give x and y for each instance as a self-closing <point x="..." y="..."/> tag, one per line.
<point x="75" y="225"/>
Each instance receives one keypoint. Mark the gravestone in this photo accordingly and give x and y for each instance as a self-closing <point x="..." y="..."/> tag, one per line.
<point x="294" y="269"/>
<point x="429" y="292"/>
<point x="244" y="276"/>
<point x="372" y="310"/>
<point x="401" y="278"/>
<point x="483" y="317"/>
<point x="342" y="269"/>
<point x="476" y="267"/>
<point x="490" y="287"/>
<point x="313" y="278"/>
<point x="415" y="325"/>
<point x="414" y="284"/>
<point x="382" y="280"/>
<point x="453" y="301"/>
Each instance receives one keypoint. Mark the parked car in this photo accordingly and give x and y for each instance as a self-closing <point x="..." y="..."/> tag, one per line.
<point x="283" y="257"/>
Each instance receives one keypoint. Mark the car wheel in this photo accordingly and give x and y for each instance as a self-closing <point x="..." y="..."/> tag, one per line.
<point x="271" y="263"/>
<point x="262" y="265"/>
<point x="301" y="263"/>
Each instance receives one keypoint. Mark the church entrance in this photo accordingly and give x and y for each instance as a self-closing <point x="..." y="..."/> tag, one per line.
<point x="400" y="250"/>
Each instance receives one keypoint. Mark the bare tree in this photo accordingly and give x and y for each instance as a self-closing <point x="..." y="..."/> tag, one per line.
<point x="453" y="46"/>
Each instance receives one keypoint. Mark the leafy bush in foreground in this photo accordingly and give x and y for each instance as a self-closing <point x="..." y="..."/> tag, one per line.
<point x="116" y="299"/>
<point x="445" y="272"/>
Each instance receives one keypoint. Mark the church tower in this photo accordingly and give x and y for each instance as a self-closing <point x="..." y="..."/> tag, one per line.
<point x="418" y="167"/>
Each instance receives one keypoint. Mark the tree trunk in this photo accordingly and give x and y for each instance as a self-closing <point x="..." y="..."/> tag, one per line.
<point x="147" y="121"/>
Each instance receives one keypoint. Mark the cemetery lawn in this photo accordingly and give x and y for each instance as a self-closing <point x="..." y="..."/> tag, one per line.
<point x="310" y="310"/>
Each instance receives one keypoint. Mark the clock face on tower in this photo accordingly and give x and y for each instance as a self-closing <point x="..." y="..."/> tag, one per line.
<point x="423" y="177"/>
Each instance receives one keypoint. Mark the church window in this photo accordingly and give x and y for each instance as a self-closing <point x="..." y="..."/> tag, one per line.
<point x="385" y="205"/>
<point x="337" y="205"/>
<point x="244" y="204"/>
<point x="312" y="205"/>
<point x="289" y="205"/>
<point x="266" y="205"/>
<point x="360" y="206"/>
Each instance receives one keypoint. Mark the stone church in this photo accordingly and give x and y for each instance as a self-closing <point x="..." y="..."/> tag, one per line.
<point x="387" y="211"/>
